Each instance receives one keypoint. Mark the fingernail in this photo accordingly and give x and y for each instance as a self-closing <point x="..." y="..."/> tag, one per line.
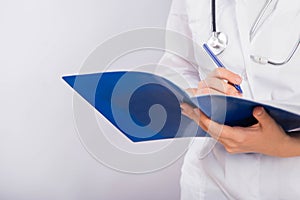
<point x="258" y="111"/>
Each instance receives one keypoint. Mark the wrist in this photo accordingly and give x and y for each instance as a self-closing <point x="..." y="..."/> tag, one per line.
<point x="290" y="147"/>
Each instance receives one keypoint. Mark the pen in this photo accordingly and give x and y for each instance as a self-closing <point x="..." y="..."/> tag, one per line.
<point x="219" y="64"/>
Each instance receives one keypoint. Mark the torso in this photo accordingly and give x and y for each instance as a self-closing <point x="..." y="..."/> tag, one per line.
<point x="247" y="176"/>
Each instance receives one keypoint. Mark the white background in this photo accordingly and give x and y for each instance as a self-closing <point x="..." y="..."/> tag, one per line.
<point x="41" y="156"/>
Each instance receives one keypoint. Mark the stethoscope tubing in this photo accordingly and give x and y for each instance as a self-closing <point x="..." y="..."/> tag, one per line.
<point x="255" y="27"/>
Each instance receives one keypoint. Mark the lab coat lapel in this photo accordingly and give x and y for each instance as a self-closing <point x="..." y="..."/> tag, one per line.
<point x="243" y="28"/>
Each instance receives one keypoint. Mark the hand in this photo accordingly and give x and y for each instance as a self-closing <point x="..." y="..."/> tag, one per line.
<point x="218" y="81"/>
<point x="265" y="137"/>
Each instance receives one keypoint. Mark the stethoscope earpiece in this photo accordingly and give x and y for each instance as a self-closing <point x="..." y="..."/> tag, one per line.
<point x="217" y="42"/>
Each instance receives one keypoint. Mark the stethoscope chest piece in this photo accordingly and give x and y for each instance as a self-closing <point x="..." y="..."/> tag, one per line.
<point x="217" y="42"/>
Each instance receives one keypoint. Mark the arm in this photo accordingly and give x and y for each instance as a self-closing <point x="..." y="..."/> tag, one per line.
<point x="183" y="66"/>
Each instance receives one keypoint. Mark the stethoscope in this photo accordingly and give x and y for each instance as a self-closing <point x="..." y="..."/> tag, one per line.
<point x="219" y="40"/>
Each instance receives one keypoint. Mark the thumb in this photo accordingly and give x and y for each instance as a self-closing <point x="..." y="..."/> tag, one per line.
<point x="262" y="116"/>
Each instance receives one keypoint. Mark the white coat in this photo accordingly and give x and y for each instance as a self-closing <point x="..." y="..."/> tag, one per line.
<point x="221" y="175"/>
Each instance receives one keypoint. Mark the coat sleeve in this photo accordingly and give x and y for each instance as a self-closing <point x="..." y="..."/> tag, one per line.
<point x="178" y="63"/>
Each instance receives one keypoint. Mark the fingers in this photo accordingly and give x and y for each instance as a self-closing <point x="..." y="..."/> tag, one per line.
<point x="191" y="91"/>
<point x="218" y="85"/>
<point x="190" y="112"/>
<point x="201" y="91"/>
<point x="195" y="114"/>
<point x="225" y="135"/>
<point x="219" y="81"/>
<point x="225" y="74"/>
<point x="240" y="139"/>
<point x="216" y="130"/>
<point x="207" y="90"/>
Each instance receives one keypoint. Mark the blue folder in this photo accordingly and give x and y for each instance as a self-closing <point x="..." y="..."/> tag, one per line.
<point x="146" y="107"/>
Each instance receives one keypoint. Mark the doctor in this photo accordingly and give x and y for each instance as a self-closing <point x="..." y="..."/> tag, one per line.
<point x="257" y="40"/>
